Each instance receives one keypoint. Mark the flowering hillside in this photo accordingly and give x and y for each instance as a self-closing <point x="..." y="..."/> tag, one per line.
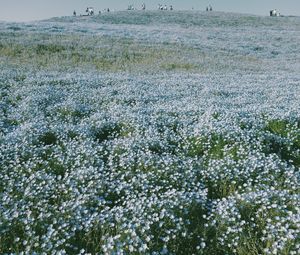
<point x="150" y="133"/>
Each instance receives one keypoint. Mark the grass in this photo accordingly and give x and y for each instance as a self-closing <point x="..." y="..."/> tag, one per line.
<point x="111" y="54"/>
<point x="221" y="188"/>
<point x="112" y="131"/>
<point x="105" y="54"/>
<point x="284" y="140"/>
<point x="73" y="114"/>
<point x="48" y="138"/>
<point x="90" y="240"/>
<point x="214" y="146"/>
<point x="48" y="49"/>
<point x="180" y="67"/>
<point x="278" y="127"/>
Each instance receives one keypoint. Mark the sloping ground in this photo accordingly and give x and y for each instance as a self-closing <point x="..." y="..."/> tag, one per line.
<point x="214" y="43"/>
<point x="150" y="133"/>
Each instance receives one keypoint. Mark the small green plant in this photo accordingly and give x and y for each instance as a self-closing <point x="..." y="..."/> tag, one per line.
<point x="221" y="188"/>
<point x="195" y="146"/>
<point x="284" y="140"/>
<point x="89" y="240"/>
<point x="73" y="114"/>
<point x="48" y="138"/>
<point x="278" y="127"/>
<point x="213" y="146"/>
<point x="42" y="49"/>
<point x="112" y="130"/>
<point x="8" y="241"/>
<point x="179" y="66"/>
<point x="56" y="168"/>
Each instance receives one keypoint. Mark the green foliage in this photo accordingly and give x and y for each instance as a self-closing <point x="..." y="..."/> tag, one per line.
<point x="112" y="131"/>
<point x="52" y="51"/>
<point x="195" y="146"/>
<point x="221" y="188"/>
<point x="11" y="50"/>
<point x="14" y="28"/>
<point x="256" y="219"/>
<point x="283" y="141"/>
<point x="42" y="49"/>
<point x="56" y="168"/>
<point x="179" y="66"/>
<point x="72" y="114"/>
<point x="48" y="138"/>
<point x="213" y="146"/>
<point x="89" y="240"/>
<point x="20" y="78"/>
<point x="278" y="127"/>
<point x="7" y="242"/>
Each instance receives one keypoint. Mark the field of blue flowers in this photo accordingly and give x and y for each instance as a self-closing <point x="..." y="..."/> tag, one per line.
<point x="150" y="133"/>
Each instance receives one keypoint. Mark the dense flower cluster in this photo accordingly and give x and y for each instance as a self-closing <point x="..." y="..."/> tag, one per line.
<point x="170" y="162"/>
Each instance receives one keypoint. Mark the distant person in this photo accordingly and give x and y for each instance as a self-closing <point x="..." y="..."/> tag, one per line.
<point x="143" y="6"/>
<point x="207" y="8"/>
<point x="90" y="11"/>
<point x="74" y="13"/>
<point x="165" y="8"/>
<point x="108" y="10"/>
<point x="210" y="8"/>
<point x="171" y="8"/>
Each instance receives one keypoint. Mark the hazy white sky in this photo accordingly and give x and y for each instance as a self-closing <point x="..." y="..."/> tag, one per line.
<point x="28" y="10"/>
